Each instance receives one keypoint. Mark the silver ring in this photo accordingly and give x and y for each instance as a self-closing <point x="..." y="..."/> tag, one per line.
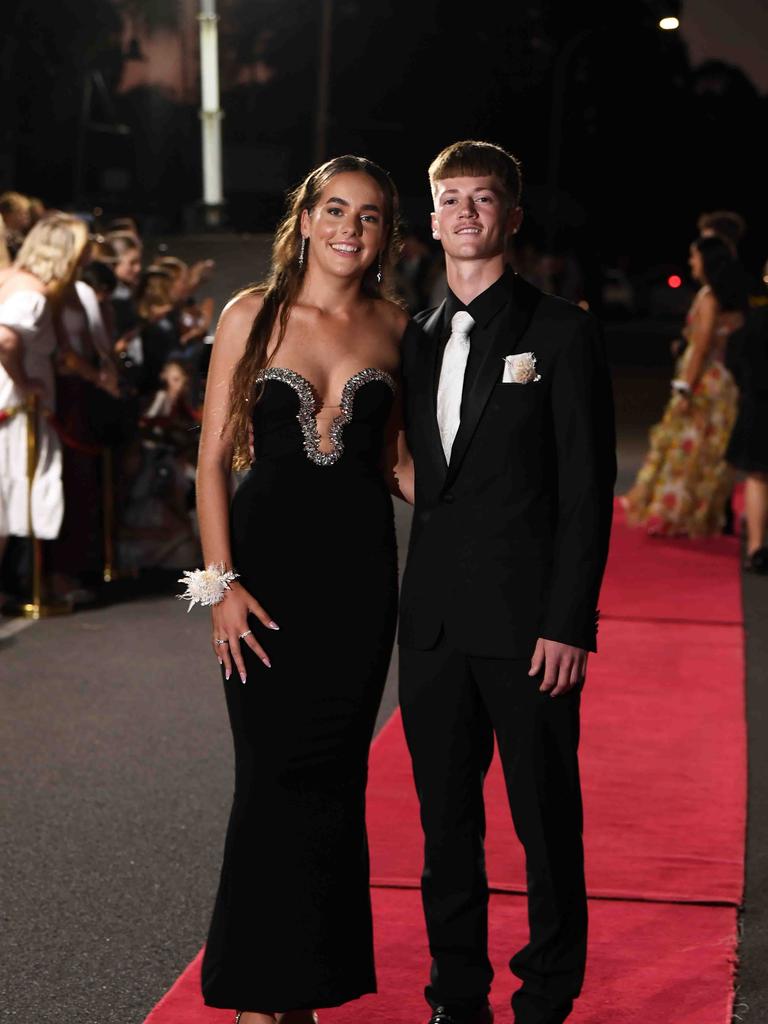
<point x="242" y="636"/>
<point x="220" y="642"/>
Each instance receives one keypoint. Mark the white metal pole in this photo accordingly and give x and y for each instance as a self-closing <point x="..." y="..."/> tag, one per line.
<point x="210" y="111"/>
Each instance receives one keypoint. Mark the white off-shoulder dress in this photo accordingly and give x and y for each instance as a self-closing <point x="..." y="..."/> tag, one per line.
<point x="29" y="314"/>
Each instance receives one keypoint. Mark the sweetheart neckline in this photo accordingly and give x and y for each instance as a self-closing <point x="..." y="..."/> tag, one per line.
<point x="316" y="394"/>
<point x="307" y="414"/>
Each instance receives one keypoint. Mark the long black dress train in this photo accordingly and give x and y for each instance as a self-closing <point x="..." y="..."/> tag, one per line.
<point x="313" y="539"/>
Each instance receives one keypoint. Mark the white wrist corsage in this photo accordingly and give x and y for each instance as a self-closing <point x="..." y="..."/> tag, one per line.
<point x="206" y="586"/>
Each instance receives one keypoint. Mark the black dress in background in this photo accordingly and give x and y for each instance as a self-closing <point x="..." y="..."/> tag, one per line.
<point x="747" y="359"/>
<point x="313" y="539"/>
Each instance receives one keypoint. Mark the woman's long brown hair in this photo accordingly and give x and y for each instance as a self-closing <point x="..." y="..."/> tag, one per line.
<point x="282" y="285"/>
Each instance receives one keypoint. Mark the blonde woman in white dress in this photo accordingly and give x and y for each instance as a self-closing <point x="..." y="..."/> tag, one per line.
<point x="45" y="266"/>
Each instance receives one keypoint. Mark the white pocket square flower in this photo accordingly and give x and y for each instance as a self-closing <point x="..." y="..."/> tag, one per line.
<point x="520" y="369"/>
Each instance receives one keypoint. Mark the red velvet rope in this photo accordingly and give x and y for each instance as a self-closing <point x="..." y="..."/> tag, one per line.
<point x="64" y="437"/>
<point x="71" y="442"/>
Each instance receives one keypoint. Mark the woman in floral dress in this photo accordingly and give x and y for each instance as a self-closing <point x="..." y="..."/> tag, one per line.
<point x="684" y="483"/>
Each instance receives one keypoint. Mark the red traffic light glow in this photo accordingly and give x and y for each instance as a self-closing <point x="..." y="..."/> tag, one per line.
<point x="674" y="281"/>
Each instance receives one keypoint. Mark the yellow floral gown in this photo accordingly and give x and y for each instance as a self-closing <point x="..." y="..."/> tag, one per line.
<point x="684" y="483"/>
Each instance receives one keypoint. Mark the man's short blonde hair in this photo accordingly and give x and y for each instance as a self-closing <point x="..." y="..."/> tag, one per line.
<point x="474" y="159"/>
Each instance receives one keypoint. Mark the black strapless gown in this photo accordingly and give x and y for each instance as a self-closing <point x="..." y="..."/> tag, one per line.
<point x="313" y="539"/>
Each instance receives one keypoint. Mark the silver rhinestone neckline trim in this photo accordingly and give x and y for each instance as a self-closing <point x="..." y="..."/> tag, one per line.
<point x="307" y="414"/>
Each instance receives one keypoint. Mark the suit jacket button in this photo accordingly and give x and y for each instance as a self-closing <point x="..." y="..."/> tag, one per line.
<point x="449" y="498"/>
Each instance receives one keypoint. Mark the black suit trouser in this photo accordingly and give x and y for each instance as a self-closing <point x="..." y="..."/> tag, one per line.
<point x="452" y="705"/>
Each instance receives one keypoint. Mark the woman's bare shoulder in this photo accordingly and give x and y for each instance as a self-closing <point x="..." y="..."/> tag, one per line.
<point x="394" y="315"/>
<point x="21" y="281"/>
<point x="705" y="303"/>
<point x="235" y="324"/>
<point x="242" y="308"/>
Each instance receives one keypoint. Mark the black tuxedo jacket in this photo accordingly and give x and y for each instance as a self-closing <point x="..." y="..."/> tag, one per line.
<point x="509" y="540"/>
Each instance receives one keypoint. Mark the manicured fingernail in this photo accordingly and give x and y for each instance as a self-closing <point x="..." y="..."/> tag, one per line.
<point x="273" y="625"/>
<point x="221" y="662"/>
<point x="243" y="677"/>
<point x="267" y="662"/>
<point x="228" y="673"/>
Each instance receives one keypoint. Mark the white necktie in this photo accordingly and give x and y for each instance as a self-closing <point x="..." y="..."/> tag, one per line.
<point x="452" y="380"/>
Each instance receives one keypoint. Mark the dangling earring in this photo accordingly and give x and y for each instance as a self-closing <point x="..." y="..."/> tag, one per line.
<point x="378" y="272"/>
<point x="301" y="251"/>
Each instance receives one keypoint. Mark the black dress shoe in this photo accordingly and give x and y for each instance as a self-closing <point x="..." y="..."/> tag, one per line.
<point x="440" y="1015"/>
<point x="758" y="561"/>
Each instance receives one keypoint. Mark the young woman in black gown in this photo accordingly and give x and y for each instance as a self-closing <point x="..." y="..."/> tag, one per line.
<point x="308" y="363"/>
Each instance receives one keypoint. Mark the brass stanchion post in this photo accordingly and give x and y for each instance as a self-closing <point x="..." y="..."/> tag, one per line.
<point x="36" y="608"/>
<point x="112" y="571"/>
<point x="108" y="501"/>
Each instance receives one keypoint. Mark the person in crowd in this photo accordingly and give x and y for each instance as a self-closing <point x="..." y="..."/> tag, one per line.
<point x="747" y="357"/>
<point x="102" y="251"/>
<point x="37" y="210"/>
<point x="684" y="482"/>
<point x="291" y="926"/>
<point x="193" y="318"/>
<point x="16" y="211"/>
<point x="124" y="225"/>
<point x="174" y="415"/>
<point x="101" y="278"/>
<point x="179" y="271"/>
<point x="5" y="256"/>
<point x="85" y="368"/>
<point x="725" y="224"/>
<point x="157" y="526"/>
<point x="174" y="401"/>
<point x="116" y="416"/>
<point x="509" y="417"/>
<point x="730" y="227"/>
<point x="123" y="252"/>
<point x="42" y="272"/>
<point x="159" y="325"/>
<point x="187" y="278"/>
<point x="127" y="267"/>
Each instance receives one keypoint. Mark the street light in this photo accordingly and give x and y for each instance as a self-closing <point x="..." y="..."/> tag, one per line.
<point x="210" y="113"/>
<point x="669" y="24"/>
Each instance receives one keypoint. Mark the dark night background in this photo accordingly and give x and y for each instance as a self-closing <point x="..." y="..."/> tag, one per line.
<point x="120" y="783"/>
<point x="648" y="141"/>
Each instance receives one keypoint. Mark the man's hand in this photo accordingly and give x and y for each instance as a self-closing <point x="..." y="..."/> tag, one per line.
<point x="564" y="666"/>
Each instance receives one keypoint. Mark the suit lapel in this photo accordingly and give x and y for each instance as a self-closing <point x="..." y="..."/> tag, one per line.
<point x="517" y="318"/>
<point x="427" y="396"/>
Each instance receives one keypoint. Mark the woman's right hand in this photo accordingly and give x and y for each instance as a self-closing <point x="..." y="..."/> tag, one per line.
<point x="230" y="623"/>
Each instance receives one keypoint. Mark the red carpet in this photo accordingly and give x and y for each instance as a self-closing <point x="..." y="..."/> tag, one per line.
<point x="663" y="769"/>
<point x="658" y="578"/>
<point x="664" y="772"/>
<point x="650" y="964"/>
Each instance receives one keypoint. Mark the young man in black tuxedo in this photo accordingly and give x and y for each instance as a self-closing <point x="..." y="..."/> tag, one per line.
<point x="510" y="422"/>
